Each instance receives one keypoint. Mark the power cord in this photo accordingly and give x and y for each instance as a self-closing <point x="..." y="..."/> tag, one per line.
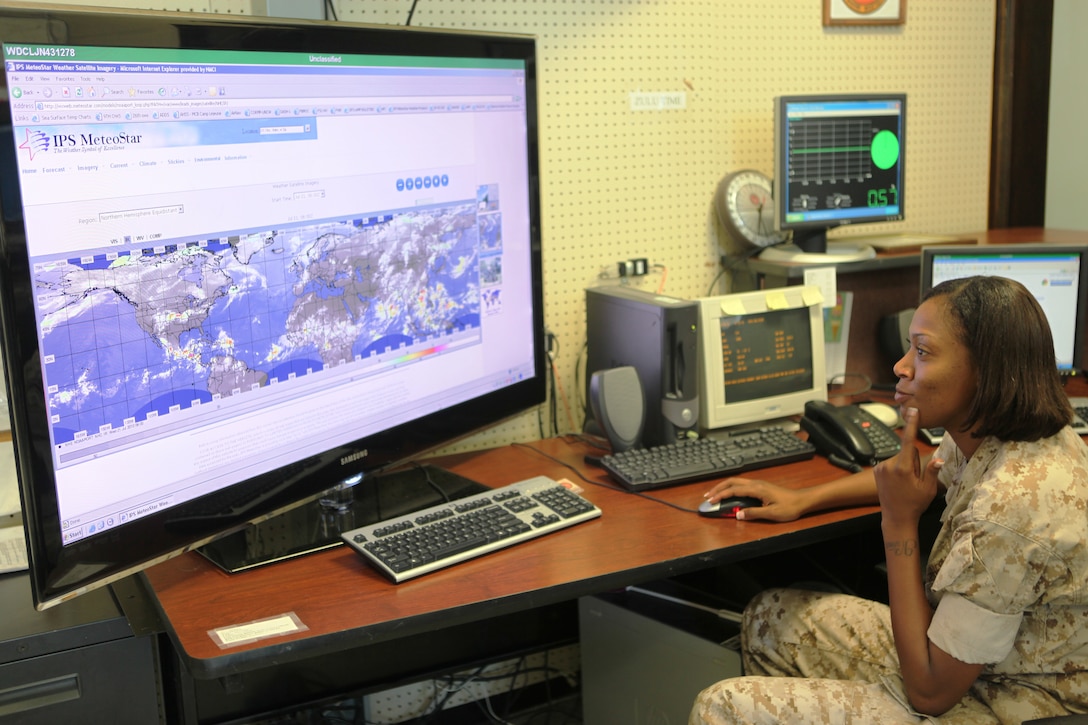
<point x="610" y="486"/>
<point x="581" y="373"/>
<point x="557" y="393"/>
<point x="728" y="264"/>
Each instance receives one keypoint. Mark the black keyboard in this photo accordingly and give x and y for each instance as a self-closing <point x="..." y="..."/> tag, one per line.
<point x="1080" y="422"/>
<point x="690" y="460"/>
<point x="448" y="533"/>
<point x="933" y="436"/>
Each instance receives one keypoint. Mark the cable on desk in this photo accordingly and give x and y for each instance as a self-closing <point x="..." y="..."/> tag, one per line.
<point x="670" y="504"/>
<point x="430" y="481"/>
<point x="610" y="486"/>
<point x="590" y="440"/>
<point x="566" y="465"/>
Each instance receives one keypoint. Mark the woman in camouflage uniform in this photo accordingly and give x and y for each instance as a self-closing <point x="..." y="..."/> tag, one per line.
<point x="995" y="630"/>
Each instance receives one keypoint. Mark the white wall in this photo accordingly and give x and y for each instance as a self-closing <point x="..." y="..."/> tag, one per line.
<point x="1067" y="145"/>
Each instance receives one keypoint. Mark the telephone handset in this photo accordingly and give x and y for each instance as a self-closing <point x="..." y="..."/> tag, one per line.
<point x="849" y="432"/>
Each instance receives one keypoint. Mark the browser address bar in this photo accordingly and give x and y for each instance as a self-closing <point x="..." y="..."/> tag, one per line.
<point x="247" y="102"/>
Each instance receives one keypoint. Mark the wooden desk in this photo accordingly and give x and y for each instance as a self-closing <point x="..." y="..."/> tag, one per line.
<point x="364" y="632"/>
<point x="344" y="603"/>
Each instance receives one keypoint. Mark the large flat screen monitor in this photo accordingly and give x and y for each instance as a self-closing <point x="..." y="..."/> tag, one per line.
<point x="761" y="356"/>
<point x="252" y="258"/>
<point x="1056" y="274"/>
<point x="838" y="160"/>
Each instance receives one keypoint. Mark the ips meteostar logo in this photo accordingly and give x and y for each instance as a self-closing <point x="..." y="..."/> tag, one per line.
<point x="36" y="142"/>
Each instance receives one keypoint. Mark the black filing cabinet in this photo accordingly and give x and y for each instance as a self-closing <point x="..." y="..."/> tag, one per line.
<point x="76" y="662"/>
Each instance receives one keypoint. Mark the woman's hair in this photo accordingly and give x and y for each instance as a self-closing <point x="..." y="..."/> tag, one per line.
<point x="1019" y="395"/>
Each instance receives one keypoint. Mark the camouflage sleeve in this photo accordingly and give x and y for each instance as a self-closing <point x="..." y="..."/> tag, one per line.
<point x="994" y="567"/>
<point x="989" y="578"/>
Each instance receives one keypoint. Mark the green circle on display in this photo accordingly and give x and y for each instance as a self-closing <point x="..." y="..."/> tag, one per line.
<point x="884" y="149"/>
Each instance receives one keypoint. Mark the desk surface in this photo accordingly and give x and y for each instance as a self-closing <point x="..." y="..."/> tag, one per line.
<point x="908" y="257"/>
<point x="344" y="603"/>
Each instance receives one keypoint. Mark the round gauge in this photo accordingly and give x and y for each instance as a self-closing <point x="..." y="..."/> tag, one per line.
<point x="745" y="205"/>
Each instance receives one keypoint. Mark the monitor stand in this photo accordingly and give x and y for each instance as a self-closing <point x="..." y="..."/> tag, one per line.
<point x="837" y="252"/>
<point x="316" y="525"/>
<point x="811" y="246"/>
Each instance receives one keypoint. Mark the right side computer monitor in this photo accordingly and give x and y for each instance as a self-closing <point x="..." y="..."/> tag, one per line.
<point x="838" y="160"/>
<point x="1056" y="274"/>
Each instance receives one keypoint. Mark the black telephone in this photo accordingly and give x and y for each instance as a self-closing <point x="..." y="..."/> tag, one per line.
<point x="848" y="432"/>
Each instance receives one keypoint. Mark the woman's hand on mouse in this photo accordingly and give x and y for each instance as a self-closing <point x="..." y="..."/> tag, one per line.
<point x="779" y="504"/>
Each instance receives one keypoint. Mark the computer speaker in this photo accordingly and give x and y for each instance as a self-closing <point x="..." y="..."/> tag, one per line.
<point x="619" y="406"/>
<point x="893" y="333"/>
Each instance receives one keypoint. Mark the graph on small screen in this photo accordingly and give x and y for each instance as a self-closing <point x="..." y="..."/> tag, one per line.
<point x="848" y="149"/>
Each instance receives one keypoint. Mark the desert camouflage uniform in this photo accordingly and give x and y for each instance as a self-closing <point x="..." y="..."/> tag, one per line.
<point x="1008" y="575"/>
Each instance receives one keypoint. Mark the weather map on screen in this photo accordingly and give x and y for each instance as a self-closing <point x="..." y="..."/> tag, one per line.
<point x="141" y="333"/>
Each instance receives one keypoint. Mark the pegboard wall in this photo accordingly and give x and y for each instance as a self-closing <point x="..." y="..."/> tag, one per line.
<point x="619" y="183"/>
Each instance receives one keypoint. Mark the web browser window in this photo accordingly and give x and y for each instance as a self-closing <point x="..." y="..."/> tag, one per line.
<point x="240" y="258"/>
<point x="1054" y="280"/>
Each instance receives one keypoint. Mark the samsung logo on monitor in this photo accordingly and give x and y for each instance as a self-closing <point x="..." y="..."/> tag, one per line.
<point x="351" y="458"/>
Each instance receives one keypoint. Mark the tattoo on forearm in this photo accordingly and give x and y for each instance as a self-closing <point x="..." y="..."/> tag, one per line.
<point x="907" y="547"/>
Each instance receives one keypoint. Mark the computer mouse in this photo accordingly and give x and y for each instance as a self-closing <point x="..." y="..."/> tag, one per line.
<point x="886" y="414"/>
<point x="727" y="507"/>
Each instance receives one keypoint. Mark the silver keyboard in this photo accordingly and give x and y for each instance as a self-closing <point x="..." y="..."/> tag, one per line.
<point x="449" y="533"/>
